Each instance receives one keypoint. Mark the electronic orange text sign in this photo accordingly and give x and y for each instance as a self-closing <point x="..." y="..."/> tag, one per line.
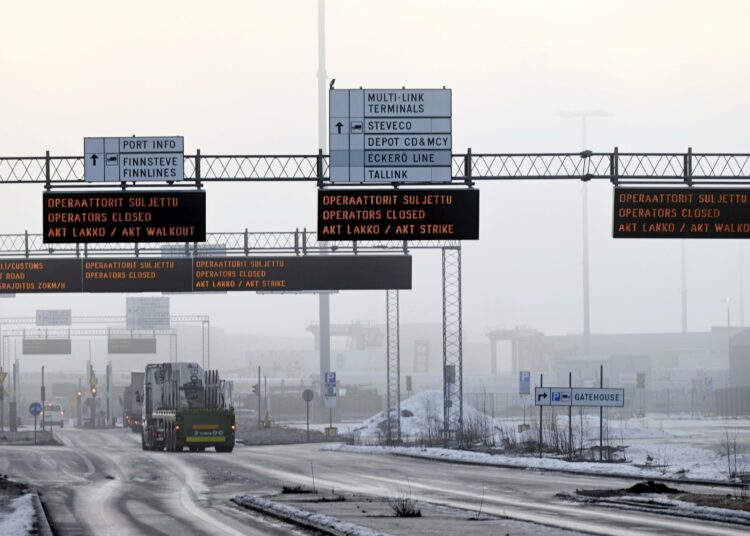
<point x="434" y="214"/>
<point x="681" y="213"/>
<point x="162" y="216"/>
<point x="209" y="274"/>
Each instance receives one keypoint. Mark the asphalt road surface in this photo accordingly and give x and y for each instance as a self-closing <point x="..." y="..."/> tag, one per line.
<point x="102" y="483"/>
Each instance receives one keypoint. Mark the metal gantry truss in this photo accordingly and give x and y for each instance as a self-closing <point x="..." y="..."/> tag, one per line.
<point x="116" y="325"/>
<point x="453" y="363"/>
<point x="297" y="242"/>
<point x="617" y="167"/>
<point x="393" y="387"/>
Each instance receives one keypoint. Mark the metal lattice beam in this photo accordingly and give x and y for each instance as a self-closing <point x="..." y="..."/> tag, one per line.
<point x="393" y="388"/>
<point x="615" y="166"/>
<point x="453" y="406"/>
<point x="240" y="243"/>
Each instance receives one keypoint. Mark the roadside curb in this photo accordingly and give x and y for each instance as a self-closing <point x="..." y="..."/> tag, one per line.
<point x="302" y="518"/>
<point x="43" y="526"/>
<point x="622" y="476"/>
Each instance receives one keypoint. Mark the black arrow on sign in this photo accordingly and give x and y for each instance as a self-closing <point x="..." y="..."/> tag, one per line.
<point x="338" y="126"/>
<point x="93" y="158"/>
<point x="542" y="396"/>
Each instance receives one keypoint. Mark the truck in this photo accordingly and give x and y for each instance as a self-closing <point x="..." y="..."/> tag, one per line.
<point x="184" y="406"/>
<point x="131" y="404"/>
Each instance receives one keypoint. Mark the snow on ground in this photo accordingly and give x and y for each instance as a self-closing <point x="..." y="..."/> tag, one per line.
<point x="421" y="415"/>
<point x="670" y="506"/>
<point x="19" y="521"/>
<point x="682" y="463"/>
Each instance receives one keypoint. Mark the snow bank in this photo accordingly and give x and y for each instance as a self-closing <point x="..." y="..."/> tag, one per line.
<point x="420" y="414"/>
<point x="318" y="520"/>
<point x="20" y="520"/>
<point x="681" y="463"/>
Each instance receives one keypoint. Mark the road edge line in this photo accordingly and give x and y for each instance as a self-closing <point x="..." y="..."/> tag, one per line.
<point x="43" y="526"/>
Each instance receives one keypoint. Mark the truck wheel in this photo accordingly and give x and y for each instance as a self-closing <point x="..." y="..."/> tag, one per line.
<point x="225" y="449"/>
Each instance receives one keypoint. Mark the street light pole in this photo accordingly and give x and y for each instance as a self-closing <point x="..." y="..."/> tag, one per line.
<point x="729" y="324"/>
<point x="584" y="116"/>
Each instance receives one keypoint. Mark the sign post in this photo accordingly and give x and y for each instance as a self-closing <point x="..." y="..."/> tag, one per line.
<point x="3" y="375"/>
<point x="307" y="396"/>
<point x="35" y="409"/>
<point x="330" y="402"/>
<point x="580" y="397"/>
<point x="537" y="396"/>
<point x="524" y="389"/>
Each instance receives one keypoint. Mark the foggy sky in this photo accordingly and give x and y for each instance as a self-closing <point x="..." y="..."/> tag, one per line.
<point x="240" y="77"/>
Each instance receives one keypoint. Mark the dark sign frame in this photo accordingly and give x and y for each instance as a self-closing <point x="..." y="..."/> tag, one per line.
<point x="403" y="214"/>
<point x="659" y="212"/>
<point x="124" y="217"/>
<point x="206" y="274"/>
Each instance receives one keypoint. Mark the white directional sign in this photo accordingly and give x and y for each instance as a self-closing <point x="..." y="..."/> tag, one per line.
<point x="599" y="397"/>
<point x="390" y="135"/>
<point x="565" y="396"/>
<point x="147" y="313"/>
<point x="53" y="317"/>
<point x="134" y="159"/>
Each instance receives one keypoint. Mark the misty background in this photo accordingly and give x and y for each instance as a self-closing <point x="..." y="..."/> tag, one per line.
<point x="239" y="77"/>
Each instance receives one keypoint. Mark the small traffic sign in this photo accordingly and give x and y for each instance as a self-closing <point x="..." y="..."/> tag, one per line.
<point x="560" y="396"/>
<point x="35" y="408"/>
<point x="307" y="395"/>
<point x="524" y="382"/>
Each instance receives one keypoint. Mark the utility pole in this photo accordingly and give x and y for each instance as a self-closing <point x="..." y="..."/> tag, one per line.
<point x="79" y="409"/>
<point x="259" y="417"/>
<point x="683" y="271"/>
<point x="43" y="397"/>
<point x="324" y="298"/>
<point x="729" y="325"/>
<point x="742" y="285"/>
<point x="265" y="397"/>
<point x="584" y="116"/>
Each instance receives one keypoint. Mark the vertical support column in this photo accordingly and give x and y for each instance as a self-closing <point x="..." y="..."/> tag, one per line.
<point x="493" y="356"/>
<point x="683" y="274"/>
<point x="452" y="347"/>
<point x="394" y="368"/>
<point x="324" y="338"/>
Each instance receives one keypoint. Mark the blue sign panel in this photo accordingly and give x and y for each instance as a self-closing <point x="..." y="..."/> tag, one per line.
<point x="35" y="408"/>
<point x="524" y="382"/>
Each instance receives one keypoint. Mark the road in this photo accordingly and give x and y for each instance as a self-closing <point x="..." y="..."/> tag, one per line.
<point x="102" y="483"/>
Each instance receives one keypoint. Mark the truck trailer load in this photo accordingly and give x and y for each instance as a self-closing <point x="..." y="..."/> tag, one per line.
<point x="132" y="402"/>
<point x="185" y="406"/>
